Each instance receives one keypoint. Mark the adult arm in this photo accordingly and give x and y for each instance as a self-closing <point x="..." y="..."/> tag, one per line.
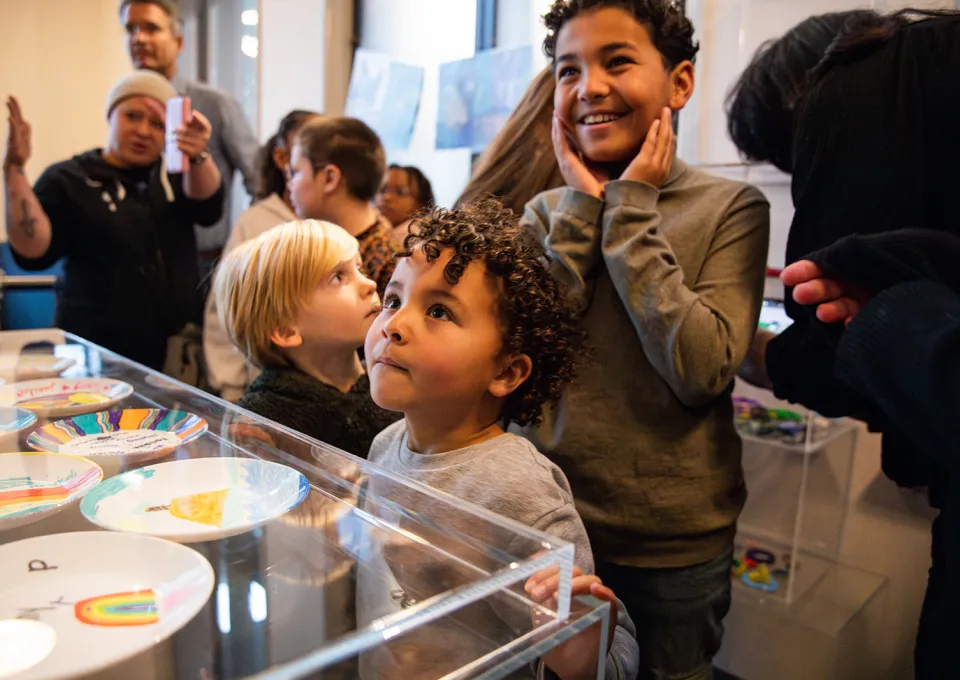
<point x="202" y="180"/>
<point x="902" y="351"/>
<point x="29" y="231"/>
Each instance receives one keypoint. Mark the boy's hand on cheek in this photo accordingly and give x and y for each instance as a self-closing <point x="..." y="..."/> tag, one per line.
<point x="575" y="173"/>
<point x="577" y="657"/>
<point x="652" y="165"/>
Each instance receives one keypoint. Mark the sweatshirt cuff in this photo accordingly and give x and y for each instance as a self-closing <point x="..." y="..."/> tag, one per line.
<point x="580" y="206"/>
<point x="635" y="194"/>
<point x="874" y="337"/>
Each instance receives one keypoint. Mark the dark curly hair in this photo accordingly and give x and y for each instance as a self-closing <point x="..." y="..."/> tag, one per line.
<point x="535" y="318"/>
<point x="670" y="30"/>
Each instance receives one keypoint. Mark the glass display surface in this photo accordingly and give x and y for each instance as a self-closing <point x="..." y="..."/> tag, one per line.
<point x="323" y="565"/>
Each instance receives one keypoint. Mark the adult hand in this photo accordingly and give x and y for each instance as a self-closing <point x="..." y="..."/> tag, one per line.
<point x="193" y="136"/>
<point x="577" y="657"/>
<point x="575" y="172"/>
<point x="652" y="165"/>
<point x="835" y="301"/>
<point x="19" y="145"/>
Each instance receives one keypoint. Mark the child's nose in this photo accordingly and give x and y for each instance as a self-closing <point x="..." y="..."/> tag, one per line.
<point x="593" y="85"/>
<point x="395" y="328"/>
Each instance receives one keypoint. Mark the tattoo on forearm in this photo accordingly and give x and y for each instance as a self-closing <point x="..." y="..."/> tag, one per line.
<point x="28" y="223"/>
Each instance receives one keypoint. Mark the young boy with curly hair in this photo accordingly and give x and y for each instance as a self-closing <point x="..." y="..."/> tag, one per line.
<point x="667" y="263"/>
<point x="474" y="335"/>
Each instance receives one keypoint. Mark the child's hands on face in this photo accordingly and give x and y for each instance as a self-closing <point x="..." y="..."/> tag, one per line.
<point x="577" y="657"/>
<point x="652" y="165"/>
<point x="575" y="172"/>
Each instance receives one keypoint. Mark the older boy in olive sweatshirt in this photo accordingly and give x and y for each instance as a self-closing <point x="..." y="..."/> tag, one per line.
<point x="667" y="264"/>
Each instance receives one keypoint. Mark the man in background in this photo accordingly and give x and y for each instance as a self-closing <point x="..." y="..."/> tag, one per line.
<point x="155" y="39"/>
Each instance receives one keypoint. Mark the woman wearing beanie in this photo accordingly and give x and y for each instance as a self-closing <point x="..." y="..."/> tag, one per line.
<point x="120" y="221"/>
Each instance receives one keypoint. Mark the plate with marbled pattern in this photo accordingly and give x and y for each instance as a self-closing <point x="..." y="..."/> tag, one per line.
<point x="138" y="433"/>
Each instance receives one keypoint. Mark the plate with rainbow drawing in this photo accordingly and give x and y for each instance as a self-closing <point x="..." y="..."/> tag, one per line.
<point x="76" y="603"/>
<point x="197" y="499"/>
<point x="61" y="397"/>
<point x="34" y="485"/>
<point x="137" y="434"/>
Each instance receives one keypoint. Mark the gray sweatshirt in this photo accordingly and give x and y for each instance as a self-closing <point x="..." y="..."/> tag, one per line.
<point x="508" y="476"/>
<point x="670" y="282"/>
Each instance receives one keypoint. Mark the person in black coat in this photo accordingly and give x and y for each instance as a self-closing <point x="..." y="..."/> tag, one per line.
<point x="121" y="221"/>
<point x="872" y="147"/>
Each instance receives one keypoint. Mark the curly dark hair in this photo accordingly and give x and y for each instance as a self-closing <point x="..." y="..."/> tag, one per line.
<point x="670" y="30"/>
<point x="535" y="318"/>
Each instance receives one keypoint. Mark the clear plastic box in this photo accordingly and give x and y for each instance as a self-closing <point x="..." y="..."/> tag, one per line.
<point x="797" y="498"/>
<point x="285" y="603"/>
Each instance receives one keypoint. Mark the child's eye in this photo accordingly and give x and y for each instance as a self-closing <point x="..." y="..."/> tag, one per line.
<point x="440" y="313"/>
<point x="565" y="71"/>
<point x="391" y="301"/>
<point x="619" y="61"/>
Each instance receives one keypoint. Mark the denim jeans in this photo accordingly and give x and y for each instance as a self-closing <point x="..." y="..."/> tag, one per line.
<point x="679" y="614"/>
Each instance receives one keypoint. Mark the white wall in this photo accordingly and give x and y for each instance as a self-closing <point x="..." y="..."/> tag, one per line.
<point x="292" y="48"/>
<point x="60" y="58"/>
<point x="426" y="33"/>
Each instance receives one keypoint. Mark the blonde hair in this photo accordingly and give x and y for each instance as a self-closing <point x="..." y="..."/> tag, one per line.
<point x="519" y="163"/>
<point x="264" y="283"/>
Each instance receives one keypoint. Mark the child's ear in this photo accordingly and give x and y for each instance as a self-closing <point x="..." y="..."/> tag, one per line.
<point x="681" y="85"/>
<point x="281" y="158"/>
<point x="514" y="369"/>
<point x="286" y="337"/>
<point x="331" y="178"/>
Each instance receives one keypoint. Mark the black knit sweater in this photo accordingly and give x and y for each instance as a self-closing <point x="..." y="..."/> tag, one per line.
<point x="347" y="420"/>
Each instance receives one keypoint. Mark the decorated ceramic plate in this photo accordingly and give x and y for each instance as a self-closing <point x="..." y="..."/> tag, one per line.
<point x="199" y="499"/>
<point x="39" y="366"/>
<point x="59" y="397"/>
<point x="34" y="485"/>
<point x="73" y="604"/>
<point x="136" y="434"/>
<point x="14" y="420"/>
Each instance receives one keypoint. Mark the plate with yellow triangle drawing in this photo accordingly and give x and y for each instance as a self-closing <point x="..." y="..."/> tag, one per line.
<point x="198" y="499"/>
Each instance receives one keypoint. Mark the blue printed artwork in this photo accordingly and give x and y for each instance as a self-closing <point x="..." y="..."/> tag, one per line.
<point x="477" y="95"/>
<point x="385" y="94"/>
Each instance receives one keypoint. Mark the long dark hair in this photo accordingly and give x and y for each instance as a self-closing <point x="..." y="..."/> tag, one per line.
<point x="760" y="105"/>
<point x="858" y="41"/>
<point x="270" y="178"/>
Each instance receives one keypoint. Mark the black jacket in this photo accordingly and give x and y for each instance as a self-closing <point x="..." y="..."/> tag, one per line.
<point x="875" y="150"/>
<point x="130" y="274"/>
<point x="348" y="420"/>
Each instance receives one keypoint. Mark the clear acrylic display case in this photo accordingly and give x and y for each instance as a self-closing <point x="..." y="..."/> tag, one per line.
<point x="285" y="600"/>
<point x="797" y="499"/>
